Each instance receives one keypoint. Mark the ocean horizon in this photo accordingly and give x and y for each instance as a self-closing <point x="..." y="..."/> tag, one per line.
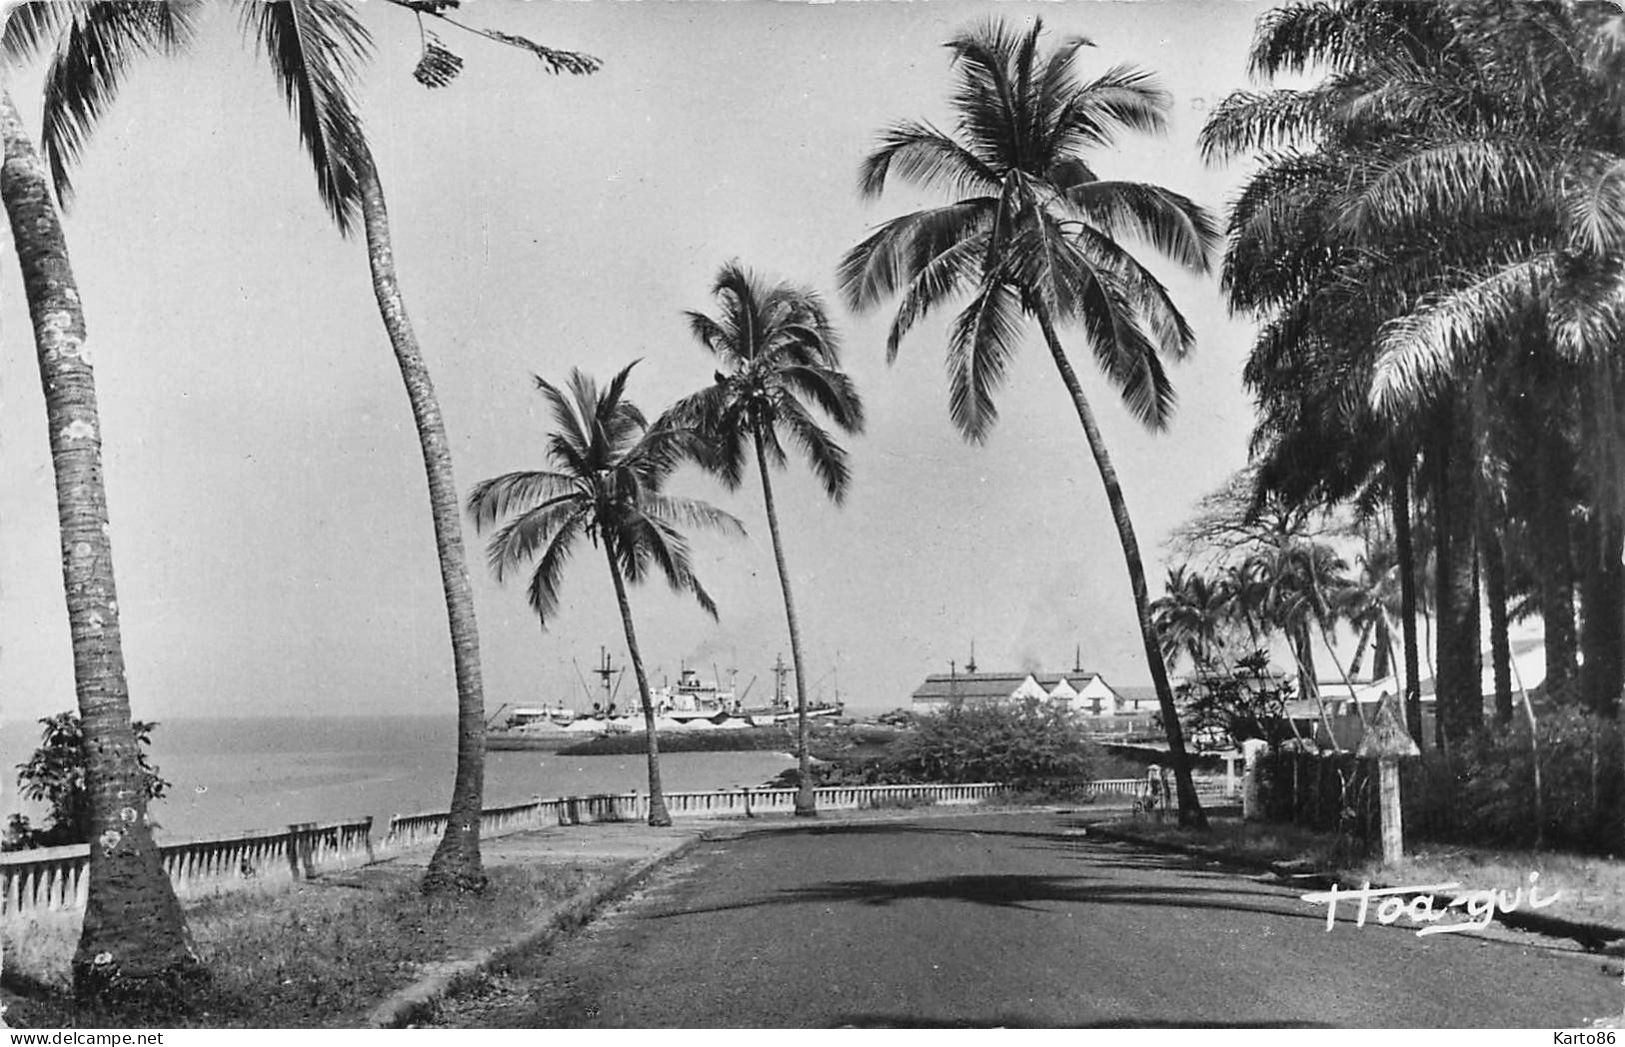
<point x="235" y="774"/>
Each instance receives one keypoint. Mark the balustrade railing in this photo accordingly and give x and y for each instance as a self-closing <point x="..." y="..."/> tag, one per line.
<point x="57" y="877"/>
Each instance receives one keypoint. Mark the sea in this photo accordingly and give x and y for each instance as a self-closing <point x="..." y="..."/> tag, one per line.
<point x="233" y="775"/>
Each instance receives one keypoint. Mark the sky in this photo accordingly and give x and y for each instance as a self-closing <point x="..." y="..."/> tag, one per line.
<point x="272" y="542"/>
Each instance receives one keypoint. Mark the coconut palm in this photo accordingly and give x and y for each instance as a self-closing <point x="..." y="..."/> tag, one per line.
<point x="1032" y="234"/>
<point x="315" y="49"/>
<point x="608" y="470"/>
<point x="777" y="353"/>
<point x="1191" y="616"/>
<point x="133" y="944"/>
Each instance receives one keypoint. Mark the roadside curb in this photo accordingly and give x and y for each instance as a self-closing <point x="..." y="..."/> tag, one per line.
<point x="399" y="1009"/>
<point x="1592" y="937"/>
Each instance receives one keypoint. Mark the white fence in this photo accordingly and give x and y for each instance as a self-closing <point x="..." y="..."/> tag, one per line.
<point x="56" y="878"/>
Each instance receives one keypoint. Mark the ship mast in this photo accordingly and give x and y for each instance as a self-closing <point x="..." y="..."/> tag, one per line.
<point x="605" y="672"/>
<point x="780" y="671"/>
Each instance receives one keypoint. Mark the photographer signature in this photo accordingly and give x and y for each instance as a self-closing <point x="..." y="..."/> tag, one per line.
<point x="1416" y="904"/>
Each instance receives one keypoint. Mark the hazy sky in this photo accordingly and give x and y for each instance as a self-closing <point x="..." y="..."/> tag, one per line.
<point x="270" y="528"/>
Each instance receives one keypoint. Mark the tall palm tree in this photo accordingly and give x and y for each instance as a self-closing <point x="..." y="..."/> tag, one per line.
<point x="608" y="470"/>
<point x="315" y="49"/>
<point x="777" y="352"/>
<point x="1033" y="234"/>
<point x="134" y="944"/>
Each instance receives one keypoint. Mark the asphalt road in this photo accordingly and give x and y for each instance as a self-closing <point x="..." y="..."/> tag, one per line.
<point x="1015" y="921"/>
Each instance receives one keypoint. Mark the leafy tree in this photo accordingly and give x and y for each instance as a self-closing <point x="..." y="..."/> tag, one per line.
<point x="777" y="352"/>
<point x="1225" y="707"/>
<point x="1032" y="234"/>
<point x="609" y="468"/>
<point x="55" y="776"/>
<point x="1032" y="744"/>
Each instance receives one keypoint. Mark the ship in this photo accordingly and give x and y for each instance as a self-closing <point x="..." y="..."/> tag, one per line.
<point x="692" y="703"/>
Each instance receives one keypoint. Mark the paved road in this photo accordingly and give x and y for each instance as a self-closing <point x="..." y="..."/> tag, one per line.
<point x="1018" y="921"/>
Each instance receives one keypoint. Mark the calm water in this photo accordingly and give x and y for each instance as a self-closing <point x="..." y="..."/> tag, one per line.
<point x="231" y="775"/>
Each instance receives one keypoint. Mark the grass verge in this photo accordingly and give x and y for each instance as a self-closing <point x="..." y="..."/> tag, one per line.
<point x="1587" y="889"/>
<point x="317" y="955"/>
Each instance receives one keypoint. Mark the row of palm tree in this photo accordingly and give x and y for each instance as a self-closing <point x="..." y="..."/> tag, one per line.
<point x="1032" y="234"/>
<point x="779" y="356"/>
<point x="1035" y="238"/>
<point x="1431" y="244"/>
<point x="1286" y="585"/>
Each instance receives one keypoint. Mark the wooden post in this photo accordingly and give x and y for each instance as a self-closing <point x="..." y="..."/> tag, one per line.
<point x="1393" y="835"/>
<point x="1252" y="810"/>
<point x="1386" y="742"/>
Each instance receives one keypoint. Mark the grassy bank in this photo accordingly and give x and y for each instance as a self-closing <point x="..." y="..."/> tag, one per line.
<point x="318" y="955"/>
<point x="1588" y="889"/>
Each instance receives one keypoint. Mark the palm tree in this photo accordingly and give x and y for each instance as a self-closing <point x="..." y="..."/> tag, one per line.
<point x="1191" y="616"/>
<point x="609" y="466"/>
<point x="315" y="48"/>
<point x="134" y="944"/>
<point x="776" y="349"/>
<point x="1033" y="234"/>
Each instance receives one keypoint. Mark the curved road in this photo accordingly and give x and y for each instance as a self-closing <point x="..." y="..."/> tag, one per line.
<point x="1016" y="921"/>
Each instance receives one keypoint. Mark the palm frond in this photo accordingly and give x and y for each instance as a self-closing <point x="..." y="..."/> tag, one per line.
<point x="1173" y="224"/>
<point x="691" y="512"/>
<point x="1125" y="353"/>
<point x="516" y="541"/>
<point x="94" y="46"/>
<point x="546" y="581"/>
<point x="495" y="498"/>
<point x="1594" y="206"/>
<point x="981" y="341"/>
<point x="895" y="253"/>
<point x="1259" y="121"/>
<point x="923" y="156"/>
<point x="1587" y="313"/>
<point x="315" y="48"/>
<point x="826" y="457"/>
<point x="832" y="390"/>
<point x="1121" y="99"/>
<point x="1423" y="349"/>
<point x="1451" y="181"/>
<point x="932" y="280"/>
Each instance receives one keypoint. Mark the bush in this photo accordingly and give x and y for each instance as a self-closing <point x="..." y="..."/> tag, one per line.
<point x="1482" y="791"/>
<point x="1035" y="743"/>
<point x="55" y="776"/>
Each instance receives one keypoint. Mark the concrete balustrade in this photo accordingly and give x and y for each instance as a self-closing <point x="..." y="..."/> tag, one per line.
<point x="56" y="878"/>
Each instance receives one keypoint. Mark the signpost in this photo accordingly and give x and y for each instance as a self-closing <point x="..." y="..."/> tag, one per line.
<point x="1386" y="741"/>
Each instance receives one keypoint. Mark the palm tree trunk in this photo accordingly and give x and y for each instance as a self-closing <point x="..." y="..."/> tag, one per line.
<point x="658" y="815"/>
<point x="1495" y="583"/>
<point x="806" y="797"/>
<point x="1459" y="686"/>
<point x="1602" y="623"/>
<point x="456" y="863"/>
<point x="1555" y="553"/>
<point x="134" y="945"/>
<point x="1366" y="632"/>
<point x="1190" y="808"/>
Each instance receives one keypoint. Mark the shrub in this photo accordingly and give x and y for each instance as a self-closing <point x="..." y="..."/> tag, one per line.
<point x="1032" y="743"/>
<point x="55" y="776"/>
<point x="1482" y="791"/>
